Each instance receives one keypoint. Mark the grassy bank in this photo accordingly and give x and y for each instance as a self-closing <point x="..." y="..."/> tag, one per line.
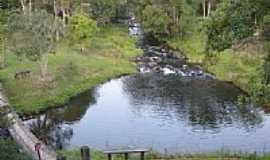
<point x="9" y="150"/>
<point x="240" y="67"/>
<point x="72" y="71"/>
<point x="98" y="155"/>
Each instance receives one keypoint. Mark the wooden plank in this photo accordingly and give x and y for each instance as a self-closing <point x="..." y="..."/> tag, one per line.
<point x="125" y="151"/>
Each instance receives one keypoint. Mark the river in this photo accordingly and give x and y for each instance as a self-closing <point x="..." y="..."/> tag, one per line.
<point x="170" y="107"/>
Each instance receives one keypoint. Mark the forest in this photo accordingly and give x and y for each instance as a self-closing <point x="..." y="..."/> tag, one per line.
<point x="54" y="50"/>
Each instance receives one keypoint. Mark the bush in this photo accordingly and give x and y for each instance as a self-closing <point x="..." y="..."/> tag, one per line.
<point x="82" y="26"/>
<point x="9" y="150"/>
<point x="229" y="23"/>
<point x="267" y="69"/>
<point x="266" y="27"/>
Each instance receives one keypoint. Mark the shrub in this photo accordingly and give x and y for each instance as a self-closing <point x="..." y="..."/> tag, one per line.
<point x="267" y="69"/>
<point x="266" y="27"/>
<point x="9" y="150"/>
<point x="82" y="26"/>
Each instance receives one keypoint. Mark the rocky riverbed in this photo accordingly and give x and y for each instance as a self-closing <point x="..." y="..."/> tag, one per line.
<point x="162" y="59"/>
<point x="158" y="57"/>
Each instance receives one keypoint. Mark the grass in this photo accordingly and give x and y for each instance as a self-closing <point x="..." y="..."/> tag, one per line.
<point x="9" y="150"/>
<point x="193" y="46"/>
<point x="106" y="56"/>
<point x="236" y="67"/>
<point x="98" y="155"/>
<point x="239" y="67"/>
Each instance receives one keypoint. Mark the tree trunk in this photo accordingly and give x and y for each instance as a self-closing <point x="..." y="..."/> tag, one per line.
<point x="204" y="8"/>
<point x="64" y="16"/>
<point x="174" y="15"/>
<point x="30" y="6"/>
<point x="23" y="6"/>
<point x="54" y="8"/>
<point x="3" y="53"/>
<point x="44" y="67"/>
<point x="209" y="8"/>
<point x="55" y="18"/>
<point x="255" y="19"/>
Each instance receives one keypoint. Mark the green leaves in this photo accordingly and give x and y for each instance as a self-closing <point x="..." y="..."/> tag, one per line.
<point x="33" y="35"/>
<point x="266" y="27"/>
<point x="233" y="21"/>
<point x="83" y="27"/>
<point x="105" y="11"/>
<point x="10" y="150"/>
<point x="155" y="20"/>
<point x="165" y="18"/>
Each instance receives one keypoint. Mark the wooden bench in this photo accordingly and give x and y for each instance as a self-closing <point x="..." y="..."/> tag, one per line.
<point x="22" y="74"/>
<point x="126" y="153"/>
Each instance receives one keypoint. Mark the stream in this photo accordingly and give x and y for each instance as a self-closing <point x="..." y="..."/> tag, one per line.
<point x="169" y="106"/>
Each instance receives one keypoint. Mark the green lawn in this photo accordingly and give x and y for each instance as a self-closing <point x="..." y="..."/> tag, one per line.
<point x="193" y="46"/>
<point x="106" y="56"/>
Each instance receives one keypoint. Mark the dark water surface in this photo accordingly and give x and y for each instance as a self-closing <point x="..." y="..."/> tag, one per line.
<point x="173" y="113"/>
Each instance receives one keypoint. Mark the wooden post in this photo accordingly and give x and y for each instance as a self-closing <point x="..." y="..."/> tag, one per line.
<point x="37" y="149"/>
<point x="142" y="155"/>
<point x="109" y="156"/>
<point x="126" y="156"/>
<point x="61" y="158"/>
<point x="85" y="153"/>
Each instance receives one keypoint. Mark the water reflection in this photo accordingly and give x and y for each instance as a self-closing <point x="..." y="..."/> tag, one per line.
<point x="179" y="114"/>
<point x="53" y="126"/>
<point x="204" y="104"/>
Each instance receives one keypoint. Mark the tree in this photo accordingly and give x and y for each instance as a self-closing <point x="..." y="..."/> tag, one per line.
<point x="82" y="27"/>
<point x="232" y="21"/>
<point x="165" y="18"/>
<point x="154" y="20"/>
<point x="3" y="50"/>
<point x="105" y="11"/>
<point x="266" y="67"/>
<point x="266" y="27"/>
<point x="3" y="38"/>
<point x="34" y="36"/>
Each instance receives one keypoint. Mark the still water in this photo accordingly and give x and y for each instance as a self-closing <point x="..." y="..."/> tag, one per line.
<point x="162" y="112"/>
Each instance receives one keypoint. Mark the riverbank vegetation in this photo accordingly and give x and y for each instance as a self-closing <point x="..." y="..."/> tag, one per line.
<point x="230" y="38"/>
<point x="48" y="59"/>
<point x="10" y="150"/>
<point x="52" y="50"/>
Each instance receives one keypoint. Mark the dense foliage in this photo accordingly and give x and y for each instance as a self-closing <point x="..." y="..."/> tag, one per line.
<point x="107" y="11"/>
<point x="165" y="18"/>
<point x="234" y="21"/>
<point x="9" y="150"/>
<point x="34" y="35"/>
<point x="82" y="26"/>
<point x="266" y="27"/>
<point x="230" y="22"/>
<point x="267" y="69"/>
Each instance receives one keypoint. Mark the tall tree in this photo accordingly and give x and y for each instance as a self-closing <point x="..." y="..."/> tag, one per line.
<point x="232" y="21"/>
<point x="34" y="36"/>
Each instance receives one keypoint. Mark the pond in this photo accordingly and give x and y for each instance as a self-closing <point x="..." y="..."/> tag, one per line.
<point x="168" y="113"/>
<point x="170" y="106"/>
